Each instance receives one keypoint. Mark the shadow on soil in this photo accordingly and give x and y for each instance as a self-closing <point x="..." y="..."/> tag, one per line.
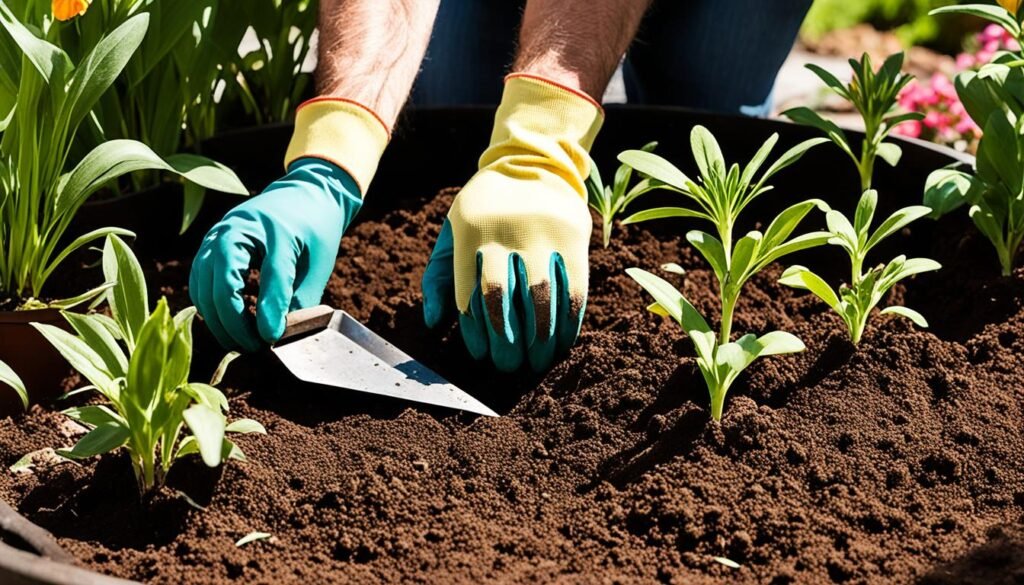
<point x="999" y="561"/>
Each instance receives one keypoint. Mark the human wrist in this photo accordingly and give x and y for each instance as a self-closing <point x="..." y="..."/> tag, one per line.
<point x="341" y="132"/>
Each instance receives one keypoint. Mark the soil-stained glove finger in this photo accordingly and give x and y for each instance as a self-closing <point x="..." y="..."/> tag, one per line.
<point x="504" y="326"/>
<point x="438" y="284"/>
<point x="473" y="327"/>
<point x="543" y="296"/>
<point x="230" y="265"/>
<point x="200" y="289"/>
<point x="572" y="304"/>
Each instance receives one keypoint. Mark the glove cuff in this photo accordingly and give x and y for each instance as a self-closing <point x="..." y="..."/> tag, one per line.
<point x="341" y="132"/>
<point x="543" y="130"/>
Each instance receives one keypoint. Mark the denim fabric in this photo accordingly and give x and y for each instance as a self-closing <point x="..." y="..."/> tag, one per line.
<point x="717" y="55"/>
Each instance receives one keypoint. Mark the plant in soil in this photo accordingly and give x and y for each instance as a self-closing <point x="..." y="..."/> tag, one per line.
<point x="149" y="399"/>
<point x="855" y="301"/>
<point x="44" y="100"/>
<point x="611" y="200"/>
<point x="874" y="94"/>
<point x="718" y="197"/>
<point x="994" y="98"/>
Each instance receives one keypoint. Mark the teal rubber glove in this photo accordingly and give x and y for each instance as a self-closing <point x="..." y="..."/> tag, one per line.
<point x="290" y="232"/>
<point x="516" y="339"/>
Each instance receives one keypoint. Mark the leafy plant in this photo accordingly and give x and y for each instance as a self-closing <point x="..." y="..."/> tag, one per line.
<point x="165" y="95"/>
<point x="611" y="200"/>
<point x="719" y="197"/>
<point x="994" y="97"/>
<point x="149" y="400"/>
<point x="44" y="99"/>
<point x="874" y="95"/>
<point x="855" y="301"/>
<point x="268" y="79"/>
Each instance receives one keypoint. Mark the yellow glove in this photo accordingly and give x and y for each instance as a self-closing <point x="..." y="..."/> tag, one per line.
<point x="513" y="252"/>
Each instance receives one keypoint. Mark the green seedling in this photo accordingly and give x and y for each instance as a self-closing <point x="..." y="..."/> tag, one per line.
<point x="44" y="100"/>
<point x="719" y="197"/>
<point x="139" y="363"/>
<point x="994" y="98"/>
<point x="611" y="200"/>
<point x="874" y="95"/>
<point x="855" y="301"/>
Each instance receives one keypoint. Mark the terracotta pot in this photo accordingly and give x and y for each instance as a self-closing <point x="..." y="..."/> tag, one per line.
<point x="28" y="353"/>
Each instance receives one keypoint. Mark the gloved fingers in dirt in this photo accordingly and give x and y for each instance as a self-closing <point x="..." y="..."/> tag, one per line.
<point x="216" y="284"/>
<point x="438" y="284"/>
<point x="502" y="317"/>
<point x="557" y="324"/>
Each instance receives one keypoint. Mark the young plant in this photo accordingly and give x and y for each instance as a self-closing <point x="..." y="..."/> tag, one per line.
<point x="611" y="200"/>
<point x="139" y="363"/>
<point x="44" y="99"/>
<point x="855" y="301"/>
<point x="994" y="98"/>
<point x="874" y="94"/>
<point x="719" y="197"/>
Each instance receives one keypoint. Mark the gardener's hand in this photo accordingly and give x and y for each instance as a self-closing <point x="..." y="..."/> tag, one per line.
<point x="512" y="255"/>
<point x="292" y="230"/>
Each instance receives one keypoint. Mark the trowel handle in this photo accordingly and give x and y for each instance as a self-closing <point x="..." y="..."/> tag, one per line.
<point x="307" y="320"/>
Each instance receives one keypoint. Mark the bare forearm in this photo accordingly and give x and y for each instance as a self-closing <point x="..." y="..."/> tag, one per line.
<point x="577" y="43"/>
<point x="371" y="50"/>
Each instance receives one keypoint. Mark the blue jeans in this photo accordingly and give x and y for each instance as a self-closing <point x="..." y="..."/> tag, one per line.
<point x="717" y="55"/>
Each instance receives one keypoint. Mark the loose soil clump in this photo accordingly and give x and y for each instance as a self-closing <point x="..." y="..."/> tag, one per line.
<point x="898" y="461"/>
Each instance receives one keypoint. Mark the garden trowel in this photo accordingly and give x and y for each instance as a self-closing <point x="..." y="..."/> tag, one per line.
<point x="326" y="346"/>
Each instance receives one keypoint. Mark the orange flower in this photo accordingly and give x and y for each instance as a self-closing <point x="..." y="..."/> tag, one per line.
<point x="67" y="9"/>
<point x="1011" y="5"/>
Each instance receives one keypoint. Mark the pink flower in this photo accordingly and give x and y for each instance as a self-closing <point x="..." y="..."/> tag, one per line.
<point x="965" y="61"/>
<point x="911" y="129"/>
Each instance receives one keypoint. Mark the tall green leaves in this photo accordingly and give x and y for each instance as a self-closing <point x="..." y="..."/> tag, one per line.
<point x="149" y="399"/>
<point x="874" y="94"/>
<point x="718" y="197"/>
<point x="855" y="301"/>
<point x="994" y="98"/>
<point x="38" y="197"/>
<point x="7" y="376"/>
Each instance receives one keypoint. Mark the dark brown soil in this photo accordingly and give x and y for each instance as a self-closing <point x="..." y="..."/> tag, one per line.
<point x="901" y="461"/>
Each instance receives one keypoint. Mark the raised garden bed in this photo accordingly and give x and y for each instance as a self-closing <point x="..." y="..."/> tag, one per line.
<point x="899" y="461"/>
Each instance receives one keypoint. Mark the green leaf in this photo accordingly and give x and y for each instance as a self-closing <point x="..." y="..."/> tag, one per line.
<point x="252" y="537"/>
<point x="671" y="300"/>
<point x="43" y="56"/>
<point x="82" y="358"/>
<point x="707" y="153"/>
<point x="207" y="426"/>
<point x="911" y="314"/>
<point x="801" y="242"/>
<point x="87" y="296"/>
<point x="946" y="190"/>
<point x="786" y="222"/>
<point x="711" y="248"/>
<point x="98" y="70"/>
<point x="207" y="396"/>
<point x="98" y="338"/>
<point x="673" y="268"/>
<point x="655" y="167"/>
<point x="222" y="367"/>
<point x="830" y="80"/>
<point x="755" y="163"/>
<point x="206" y="173"/>
<point x="7" y="376"/>
<point x="193" y="203"/>
<point x="743" y="257"/>
<point x="94" y="415"/>
<point x="779" y="343"/>
<point x="995" y="14"/>
<point x="246" y="425"/>
<point x="865" y="213"/>
<point x="896" y="222"/>
<point x="797" y="276"/>
<point x="128" y="299"/>
<point x="102" y="439"/>
<point x="663" y="213"/>
<point x="808" y="117"/>
<point x="81" y="241"/>
<point x="790" y="157"/>
<point x="841" y="227"/>
<point x="890" y="153"/>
